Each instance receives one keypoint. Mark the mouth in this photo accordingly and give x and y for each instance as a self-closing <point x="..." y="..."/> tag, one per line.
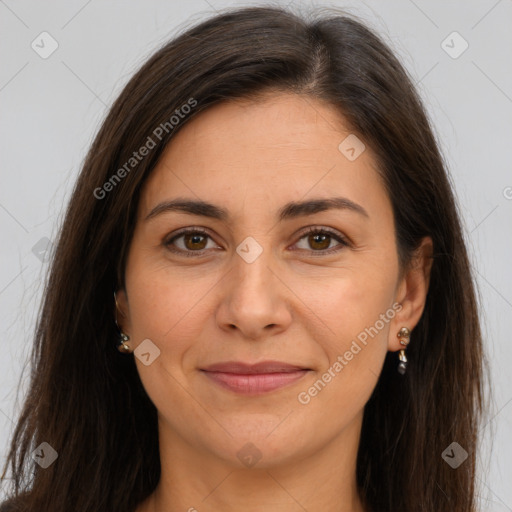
<point x="254" y="379"/>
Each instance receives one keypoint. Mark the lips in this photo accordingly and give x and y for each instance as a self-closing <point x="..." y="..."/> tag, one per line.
<point x="254" y="379"/>
<point x="250" y="369"/>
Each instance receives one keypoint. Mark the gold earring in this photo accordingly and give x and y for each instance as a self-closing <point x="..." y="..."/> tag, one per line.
<point x="122" y="344"/>
<point x="404" y="334"/>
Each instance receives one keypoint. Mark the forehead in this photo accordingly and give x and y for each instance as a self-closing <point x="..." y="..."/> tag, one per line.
<point x="278" y="147"/>
<point x="279" y="123"/>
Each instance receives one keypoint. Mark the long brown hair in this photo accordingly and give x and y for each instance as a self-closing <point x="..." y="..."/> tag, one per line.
<point x="87" y="401"/>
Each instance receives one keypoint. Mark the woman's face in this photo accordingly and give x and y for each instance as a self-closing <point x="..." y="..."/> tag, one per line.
<point x="254" y="286"/>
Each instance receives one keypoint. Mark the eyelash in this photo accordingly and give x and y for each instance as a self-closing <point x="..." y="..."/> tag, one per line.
<point x="316" y="230"/>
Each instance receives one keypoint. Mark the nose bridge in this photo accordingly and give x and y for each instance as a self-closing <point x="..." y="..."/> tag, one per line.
<point x="252" y="300"/>
<point x="252" y="265"/>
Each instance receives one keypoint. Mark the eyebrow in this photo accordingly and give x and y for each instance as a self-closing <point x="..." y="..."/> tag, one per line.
<point x="290" y="210"/>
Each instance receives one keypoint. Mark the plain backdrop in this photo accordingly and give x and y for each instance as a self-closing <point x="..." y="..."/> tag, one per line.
<point x="52" y="105"/>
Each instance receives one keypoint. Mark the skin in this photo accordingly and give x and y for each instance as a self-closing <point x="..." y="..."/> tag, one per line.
<point x="295" y="303"/>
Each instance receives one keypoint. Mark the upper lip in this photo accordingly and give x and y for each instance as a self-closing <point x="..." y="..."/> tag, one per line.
<point x="239" y="367"/>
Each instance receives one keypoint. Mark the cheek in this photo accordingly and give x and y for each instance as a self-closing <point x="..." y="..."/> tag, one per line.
<point x="353" y="299"/>
<point x="172" y="307"/>
<point x="358" y="310"/>
<point x="162" y="305"/>
<point x="165" y="309"/>
<point x="354" y="351"/>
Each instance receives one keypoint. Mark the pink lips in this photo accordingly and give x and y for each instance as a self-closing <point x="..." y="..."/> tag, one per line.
<point x="254" y="379"/>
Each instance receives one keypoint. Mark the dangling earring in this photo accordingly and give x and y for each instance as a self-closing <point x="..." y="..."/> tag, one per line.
<point x="122" y="345"/>
<point x="404" y="335"/>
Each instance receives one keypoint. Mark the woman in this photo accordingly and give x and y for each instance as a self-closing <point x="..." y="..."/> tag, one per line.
<point x="261" y="297"/>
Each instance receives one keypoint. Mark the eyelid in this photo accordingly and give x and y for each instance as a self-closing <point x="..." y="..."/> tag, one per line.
<point x="185" y="231"/>
<point x="342" y="240"/>
<point x="333" y="233"/>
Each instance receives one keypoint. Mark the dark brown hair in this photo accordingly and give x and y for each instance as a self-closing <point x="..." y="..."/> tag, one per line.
<point x="87" y="401"/>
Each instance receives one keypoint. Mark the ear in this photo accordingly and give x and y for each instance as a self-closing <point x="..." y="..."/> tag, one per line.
<point x="412" y="293"/>
<point x="123" y="317"/>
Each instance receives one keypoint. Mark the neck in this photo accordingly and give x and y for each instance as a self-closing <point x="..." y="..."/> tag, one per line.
<point x="195" y="480"/>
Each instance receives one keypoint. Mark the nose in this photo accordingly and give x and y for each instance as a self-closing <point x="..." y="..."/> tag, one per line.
<point x="254" y="301"/>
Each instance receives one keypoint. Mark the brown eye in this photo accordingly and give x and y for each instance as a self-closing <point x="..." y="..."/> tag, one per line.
<point x="189" y="241"/>
<point x="194" y="241"/>
<point x="319" y="241"/>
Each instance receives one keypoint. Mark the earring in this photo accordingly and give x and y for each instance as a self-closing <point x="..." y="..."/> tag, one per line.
<point x="404" y="335"/>
<point x="122" y="345"/>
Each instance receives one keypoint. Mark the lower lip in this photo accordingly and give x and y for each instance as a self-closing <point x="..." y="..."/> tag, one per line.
<point x="255" y="384"/>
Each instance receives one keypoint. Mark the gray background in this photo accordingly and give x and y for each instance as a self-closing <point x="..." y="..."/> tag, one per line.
<point x="52" y="107"/>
